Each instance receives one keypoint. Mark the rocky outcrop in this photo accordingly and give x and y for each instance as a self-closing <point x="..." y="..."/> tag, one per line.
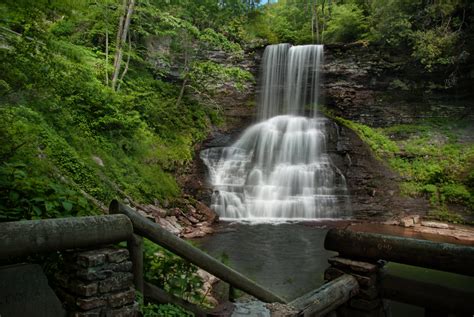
<point x="381" y="87"/>
<point x="373" y="187"/>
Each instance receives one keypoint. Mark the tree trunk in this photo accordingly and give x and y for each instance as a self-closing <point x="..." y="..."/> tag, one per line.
<point x="106" y="57"/>
<point x="124" y="25"/>
<point x="127" y="63"/>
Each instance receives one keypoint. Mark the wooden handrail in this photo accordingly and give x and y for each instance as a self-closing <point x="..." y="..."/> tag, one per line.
<point x="372" y="246"/>
<point x="158" y="235"/>
<point x="327" y="298"/>
<point x="21" y="238"/>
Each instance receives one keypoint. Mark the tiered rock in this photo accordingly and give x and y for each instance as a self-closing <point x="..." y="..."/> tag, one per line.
<point x="368" y="303"/>
<point x="97" y="283"/>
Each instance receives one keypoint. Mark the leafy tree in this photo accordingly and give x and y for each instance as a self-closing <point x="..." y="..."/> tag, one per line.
<point x="347" y="24"/>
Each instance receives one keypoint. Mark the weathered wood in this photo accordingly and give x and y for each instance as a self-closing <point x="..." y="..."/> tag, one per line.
<point x="157" y="234"/>
<point x="156" y="294"/>
<point x="20" y="238"/>
<point x="429" y="295"/>
<point x="328" y="297"/>
<point x="372" y="247"/>
<point x="135" y="247"/>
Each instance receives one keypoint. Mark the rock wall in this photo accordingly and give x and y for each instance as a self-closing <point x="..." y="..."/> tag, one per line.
<point x="383" y="87"/>
<point x="373" y="187"/>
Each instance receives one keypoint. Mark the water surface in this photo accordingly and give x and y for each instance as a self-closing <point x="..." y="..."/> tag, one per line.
<point x="289" y="259"/>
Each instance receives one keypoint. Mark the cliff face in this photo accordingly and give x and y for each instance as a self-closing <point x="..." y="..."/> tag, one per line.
<point x="366" y="85"/>
<point x="380" y="88"/>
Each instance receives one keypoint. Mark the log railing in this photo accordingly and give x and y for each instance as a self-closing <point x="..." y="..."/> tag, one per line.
<point x="21" y="238"/>
<point x="373" y="246"/>
<point x="362" y="248"/>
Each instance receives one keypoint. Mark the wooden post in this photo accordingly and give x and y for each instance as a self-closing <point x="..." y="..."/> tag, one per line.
<point x="371" y="246"/>
<point x="21" y="238"/>
<point x="135" y="247"/>
<point x="157" y="234"/>
<point x="327" y="298"/>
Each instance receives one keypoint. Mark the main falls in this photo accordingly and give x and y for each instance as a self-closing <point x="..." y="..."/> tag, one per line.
<point x="279" y="168"/>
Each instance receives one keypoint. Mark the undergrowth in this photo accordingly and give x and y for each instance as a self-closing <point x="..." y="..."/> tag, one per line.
<point x="431" y="160"/>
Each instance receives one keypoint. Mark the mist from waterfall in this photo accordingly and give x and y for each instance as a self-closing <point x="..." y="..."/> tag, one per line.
<point x="279" y="168"/>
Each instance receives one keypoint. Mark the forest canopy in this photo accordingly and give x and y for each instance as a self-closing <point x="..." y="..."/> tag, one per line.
<point x="100" y="98"/>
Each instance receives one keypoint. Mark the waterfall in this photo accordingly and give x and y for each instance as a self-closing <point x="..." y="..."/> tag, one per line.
<point x="279" y="167"/>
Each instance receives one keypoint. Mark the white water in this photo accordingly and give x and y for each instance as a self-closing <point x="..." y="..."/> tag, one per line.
<point x="279" y="168"/>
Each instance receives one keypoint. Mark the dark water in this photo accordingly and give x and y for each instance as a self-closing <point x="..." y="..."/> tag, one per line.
<point x="288" y="259"/>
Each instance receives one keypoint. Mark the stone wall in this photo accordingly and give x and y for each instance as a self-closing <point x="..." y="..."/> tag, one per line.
<point x="368" y="302"/>
<point x="97" y="283"/>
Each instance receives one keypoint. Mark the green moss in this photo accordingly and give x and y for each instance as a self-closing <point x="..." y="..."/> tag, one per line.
<point x="428" y="157"/>
<point x="380" y="144"/>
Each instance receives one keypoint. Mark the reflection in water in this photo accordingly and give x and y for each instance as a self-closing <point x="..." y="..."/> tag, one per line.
<point x="288" y="259"/>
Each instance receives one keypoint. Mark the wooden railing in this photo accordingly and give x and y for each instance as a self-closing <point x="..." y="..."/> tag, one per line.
<point x="124" y="224"/>
<point x="372" y="247"/>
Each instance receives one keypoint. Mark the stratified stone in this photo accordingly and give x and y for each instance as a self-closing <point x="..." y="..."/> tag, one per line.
<point x="90" y="258"/>
<point x="116" y="255"/>
<point x="356" y="266"/>
<point x="127" y="311"/>
<point x="368" y="293"/>
<point x="83" y="289"/>
<point x="125" y="266"/>
<point x="122" y="298"/>
<point x="90" y="313"/>
<point x="94" y="273"/>
<point x="332" y="273"/>
<point x="118" y="281"/>
<point x="90" y="303"/>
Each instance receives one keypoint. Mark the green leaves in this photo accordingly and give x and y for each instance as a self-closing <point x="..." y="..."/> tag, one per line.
<point x="172" y="273"/>
<point x="347" y="24"/>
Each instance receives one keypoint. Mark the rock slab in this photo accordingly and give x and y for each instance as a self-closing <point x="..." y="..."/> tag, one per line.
<point x="24" y="291"/>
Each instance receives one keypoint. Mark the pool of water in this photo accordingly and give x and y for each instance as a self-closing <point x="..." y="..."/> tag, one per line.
<point x="288" y="259"/>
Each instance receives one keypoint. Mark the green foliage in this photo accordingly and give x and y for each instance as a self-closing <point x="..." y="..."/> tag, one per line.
<point x="379" y="143"/>
<point x="434" y="47"/>
<point x="59" y="117"/>
<point x="172" y="273"/>
<point x="390" y="21"/>
<point x="347" y="24"/>
<point x="153" y="310"/>
<point x="208" y="77"/>
<point x="25" y="193"/>
<point x="442" y="214"/>
<point x="219" y="41"/>
<point x="430" y="160"/>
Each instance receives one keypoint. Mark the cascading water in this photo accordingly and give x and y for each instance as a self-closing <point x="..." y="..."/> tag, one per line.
<point x="279" y="168"/>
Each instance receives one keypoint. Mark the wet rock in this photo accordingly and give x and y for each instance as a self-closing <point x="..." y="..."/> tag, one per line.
<point x="433" y="224"/>
<point x="210" y="214"/>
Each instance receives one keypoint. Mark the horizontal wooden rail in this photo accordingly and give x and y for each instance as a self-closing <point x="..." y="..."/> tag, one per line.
<point x="158" y="295"/>
<point x="429" y="295"/>
<point x="21" y="238"/>
<point x="372" y="246"/>
<point x="327" y="298"/>
<point x="158" y="235"/>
